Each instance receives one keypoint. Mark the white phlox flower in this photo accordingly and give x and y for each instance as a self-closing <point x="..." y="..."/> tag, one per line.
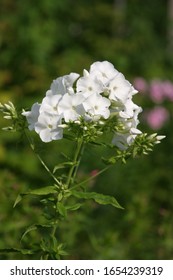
<point x="96" y="106"/>
<point x="89" y="85"/>
<point x="122" y="141"/>
<point x="63" y="84"/>
<point x="71" y="106"/>
<point x="129" y="119"/>
<point x="48" y="128"/>
<point x="130" y="109"/>
<point x="104" y="71"/>
<point x="32" y="116"/>
<point x="50" y="104"/>
<point x="119" y="88"/>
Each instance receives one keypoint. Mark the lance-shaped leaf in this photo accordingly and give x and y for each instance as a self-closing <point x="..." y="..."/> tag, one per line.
<point x="38" y="192"/>
<point x="74" y="207"/>
<point x="63" y="165"/>
<point x="61" y="209"/>
<point x="99" y="198"/>
<point x="35" y="227"/>
<point x="31" y="228"/>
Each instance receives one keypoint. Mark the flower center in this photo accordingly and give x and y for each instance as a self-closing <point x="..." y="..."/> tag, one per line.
<point x="50" y="126"/>
<point x="104" y="75"/>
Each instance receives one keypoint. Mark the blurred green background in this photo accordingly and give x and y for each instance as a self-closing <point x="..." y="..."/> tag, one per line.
<point x="41" y="40"/>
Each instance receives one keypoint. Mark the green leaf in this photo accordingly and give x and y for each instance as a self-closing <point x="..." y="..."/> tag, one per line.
<point x="35" y="227"/>
<point x="16" y="250"/>
<point x="61" y="209"/>
<point x="31" y="228"/>
<point x="99" y="198"/>
<point x="41" y="191"/>
<point x="74" y="207"/>
<point x="61" y="250"/>
<point x="18" y="199"/>
<point x="63" y="165"/>
<point x="60" y="196"/>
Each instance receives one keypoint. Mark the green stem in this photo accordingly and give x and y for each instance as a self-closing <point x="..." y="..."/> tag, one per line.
<point x="76" y="160"/>
<point x="47" y="169"/>
<point x="54" y="228"/>
<point x="40" y="159"/>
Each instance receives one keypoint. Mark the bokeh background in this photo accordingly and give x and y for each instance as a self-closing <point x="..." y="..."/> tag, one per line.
<point x="41" y="40"/>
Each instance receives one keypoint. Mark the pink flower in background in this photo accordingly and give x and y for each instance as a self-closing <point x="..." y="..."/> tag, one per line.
<point x="157" y="117"/>
<point x="140" y="84"/>
<point x="167" y="87"/>
<point x="156" y="91"/>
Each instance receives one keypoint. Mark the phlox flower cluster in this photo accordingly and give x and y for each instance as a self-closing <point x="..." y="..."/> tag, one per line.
<point x="99" y="95"/>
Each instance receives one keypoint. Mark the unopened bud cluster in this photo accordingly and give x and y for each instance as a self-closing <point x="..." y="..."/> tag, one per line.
<point x="10" y="113"/>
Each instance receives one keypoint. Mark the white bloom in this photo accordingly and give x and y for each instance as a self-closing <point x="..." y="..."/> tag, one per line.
<point x="63" y="84"/>
<point x="130" y="125"/>
<point x="71" y="106"/>
<point x="130" y="109"/>
<point x="119" y="88"/>
<point x="122" y="141"/>
<point x="101" y="91"/>
<point x="104" y="71"/>
<point x="50" y="104"/>
<point x="48" y="127"/>
<point x="97" y="106"/>
<point x="89" y="85"/>
<point x="126" y="138"/>
<point x="129" y="119"/>
<point x="32" y="116"/>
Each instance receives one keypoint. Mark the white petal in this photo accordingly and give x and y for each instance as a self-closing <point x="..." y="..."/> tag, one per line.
<point x="103" y="70"/>
<point x="32" y="116"/>
<point x="45" y="135"/>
